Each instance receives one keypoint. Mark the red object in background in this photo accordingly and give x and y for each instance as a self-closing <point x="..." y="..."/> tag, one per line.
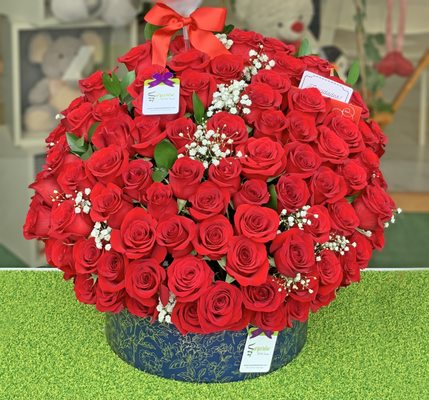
<point x="297" y="27"/>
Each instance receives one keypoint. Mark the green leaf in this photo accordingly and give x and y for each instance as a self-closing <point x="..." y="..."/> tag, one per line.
<point x="222" y="262"/>
<point x="353" y="75"/>
<point x="305" y="48"/>
<point x="165" y="154"/>
<point x="127" y="80"/>
<point x="229" y="279"/>
<point x="75" y="143"/>
<point x="273" y="197"/>
<point x="87" y="153"/>
<point x="107" y="96"/>
<point x="92" y="130"/>
<point x="228" y="29"/>
<point x="149" y="30"/>
<point x="181" y="204"/>
<point x="112" y="84"/>
<point x="159" y="174"/>
<point x="198" y="108"/>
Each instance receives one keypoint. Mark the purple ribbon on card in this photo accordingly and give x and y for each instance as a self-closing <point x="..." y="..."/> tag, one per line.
<point x="162" y="78"/>
<point x="259" y="331"/>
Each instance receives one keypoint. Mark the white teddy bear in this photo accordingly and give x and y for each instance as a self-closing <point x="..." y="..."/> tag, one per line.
<point x="287" y="20"/>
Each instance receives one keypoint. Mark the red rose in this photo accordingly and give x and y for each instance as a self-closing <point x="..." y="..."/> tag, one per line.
<point x="346" y="129"/>
<point x="72" y="177"/>
<point x="320" y="223"/>
<point x="327" y="187"/>
<point x="86" y="256"/>
<point x="113" y="302"/>
<point x="185" y="318"/>
<point x="317" y="65"/>
<point x="108" y="205"/>
<point x="382" y="139"/>
<point x="60" y="255"/>
<point x="107" y="109"/>
<point x="147" y="135"/>
<point x="84" y="288"/>
<point x="363" y="249"/>
<point x="137" y="178"/>
<point x="111" y="271"/>
<point x="107" y="164"/>
<point x="38" y="220"/>
<point x="66" y="224"/>
<point x="56" y="134"/>
<point x="208" y="200"/>
<point x="343" y="217"/>
<point x="293" y="252"/>
<point x="57" y="156"/>
<point x="302" y="160"/>
<point x="355" y="175"/>
<point x="262" y="158"/>
<point x="232" y="126"/>
<point x="137" y="235"/>
<point x="296" y="311"/>
<point x="180" y="132"/>
<point x="220" y="308"/>
<point x="301" y="126"/>
<point x="271" y="123"/>
<point x="351" y="270"/>
<point x="46" y="188"/>
<point x="247" y="261"/>
<point x="191" y="59"/>
<point x="227" y="174"/>
<point x="322" y="301"/>
<point x="92" y="86"/>
<point x="117" y="130"/>
<point x="138" y="56"/>
<point x="253" y="191"/>
<point x="330" y="272"/>
<point x="263" y="97"/>
<point x="289" y="65"/>
<point x="306" y="100"/>
<point x="143" y="279"/>
<point x="331" y="147"/>
<point x="357" y="100"/>
<point x="292" y="192"/>
<point x="176" y="234"/>
<point x="189" y="277"/>
<point x="266" y="297"/>
<point x="185" y="177"/>
<point x="271" y="321"/>
<point x="277" y="81"/>
<point x="213" y="237"/>
<point x="160" y="202"/>
<point x="257" y="223"/>
<point x="146" y="308"/>
<point x="227" y="68"/>
<point x="201" y="83"/>
<point x="308" y="292"/>
<point x="79" y="119"/>
<point x="244" y="41"/>
<point x="370" y="161"/>
<point x="273" y="46"/>
<point x="374" y="208"/>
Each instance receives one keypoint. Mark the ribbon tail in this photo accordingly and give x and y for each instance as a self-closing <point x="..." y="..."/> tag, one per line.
<point x="207" y="42"/>
<point x="160" y="44"/>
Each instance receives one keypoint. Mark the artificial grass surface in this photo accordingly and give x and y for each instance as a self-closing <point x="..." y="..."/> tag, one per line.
<point x="371" y="343"/>
<point x="406" y="243"/>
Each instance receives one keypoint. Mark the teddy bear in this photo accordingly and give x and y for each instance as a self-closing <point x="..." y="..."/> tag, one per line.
<point x="113" y="12"/>
<point x="287" y="20"/>
<point x="54" y="91"/>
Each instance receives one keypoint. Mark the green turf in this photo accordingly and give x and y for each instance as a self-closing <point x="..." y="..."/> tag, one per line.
<point x="371" y="343"/>
<point x="406" y="243"/>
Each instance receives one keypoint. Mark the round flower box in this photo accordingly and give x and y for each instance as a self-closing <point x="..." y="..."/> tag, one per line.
<point x="160" y="349"/>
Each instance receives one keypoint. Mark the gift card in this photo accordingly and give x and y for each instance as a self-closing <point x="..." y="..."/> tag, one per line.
<point x="161" y="96"/>
<point x="347" y="110"/>
<point x="326" y="86"/>
<point x="258" y="351"/>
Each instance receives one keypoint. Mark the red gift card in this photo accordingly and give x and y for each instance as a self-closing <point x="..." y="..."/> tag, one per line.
<point x="346" y="109"/>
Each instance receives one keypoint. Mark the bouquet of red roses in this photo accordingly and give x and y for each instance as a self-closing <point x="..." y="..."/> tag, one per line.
<point x="252" y="204"/>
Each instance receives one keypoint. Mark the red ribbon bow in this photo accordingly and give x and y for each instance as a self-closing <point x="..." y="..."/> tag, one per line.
<point x="201" y="24"/>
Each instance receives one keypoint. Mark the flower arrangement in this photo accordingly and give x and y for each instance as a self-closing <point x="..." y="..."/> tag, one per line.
<point x="252" y="205"/>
